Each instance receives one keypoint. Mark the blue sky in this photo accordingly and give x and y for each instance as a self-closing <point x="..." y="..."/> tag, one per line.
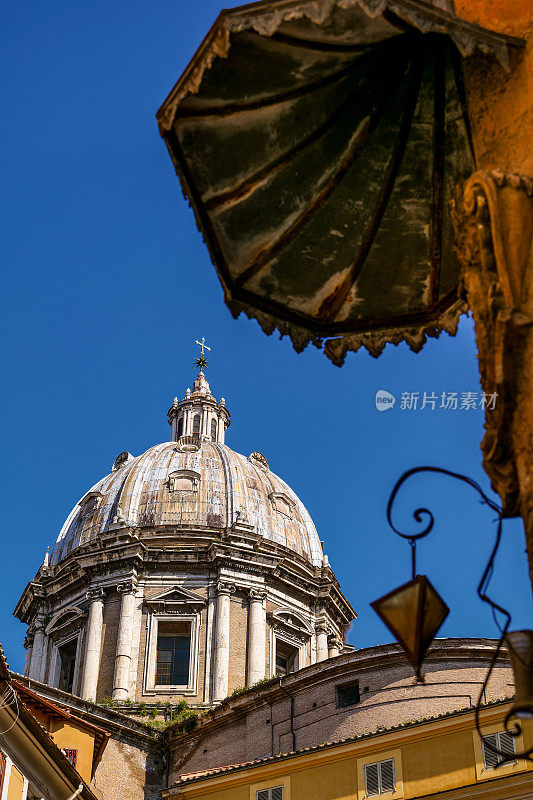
<point x="106" y="286"/>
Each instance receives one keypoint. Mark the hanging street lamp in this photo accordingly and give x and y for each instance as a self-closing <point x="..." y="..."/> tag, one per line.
<point x="414" y="612"/>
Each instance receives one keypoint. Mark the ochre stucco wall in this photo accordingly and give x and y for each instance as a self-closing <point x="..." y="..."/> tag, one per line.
<point x="500" y="102"/>
<point x="16" y="785"/>
<point x="67" y="736"/>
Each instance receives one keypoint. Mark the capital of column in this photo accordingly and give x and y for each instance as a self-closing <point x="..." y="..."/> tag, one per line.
<point x="127" y="587"/>
<point x="322" y="628"/>
<point x="28" y="640"/>
<point x="223" y="587"/>
<point x="95" y="594"/>
<point x="257" y="594"/>
<point x="39" y="624"/>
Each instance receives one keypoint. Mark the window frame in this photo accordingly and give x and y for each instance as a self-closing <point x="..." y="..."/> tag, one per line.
<point x="379" y="764"/>
<point x="153" y="621"/>
<point x="376" y="758"/>
<point x="491" y="753"/>
<point x="484" y="773"/>
<point x="178" y="474"/>
<point x="272" y="783"/>
<point x="348" y="685"/>
<point x="269" y="791"/>
<point x="276" y="636"/>
<point x="55" y="659"/>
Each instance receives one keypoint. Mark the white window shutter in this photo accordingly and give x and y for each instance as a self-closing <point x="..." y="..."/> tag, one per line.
<point x="371" y="779"/>
<point x="387" y="776"/>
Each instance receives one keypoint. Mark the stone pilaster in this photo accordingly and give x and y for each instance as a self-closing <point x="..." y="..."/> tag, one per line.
<point x="28" y="644"/>
<point x="38" y="656"/>
<point x="94" y="644"/>
<point x="121" y="681"/>
<point x="221" y="669"/>
<point x="256" y="636"/>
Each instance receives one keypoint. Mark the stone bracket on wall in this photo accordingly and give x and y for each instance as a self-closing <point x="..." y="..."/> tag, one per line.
<point x="493" y="219"/>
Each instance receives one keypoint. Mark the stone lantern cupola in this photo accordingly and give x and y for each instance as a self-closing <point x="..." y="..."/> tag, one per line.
<point x="199" y="414"/>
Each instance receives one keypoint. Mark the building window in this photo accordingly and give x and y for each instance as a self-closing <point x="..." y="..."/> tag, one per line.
<point x="67" y="660"/>
<point x="347" y="695"/>
<point x="182" y="484"/>
<point x="183" y="481"/>
<point x="214" y="430"/>
<point x="501" y="741"/>
<point x="173" y="654"/>
<point x="283" y="506"/>
<point x="71" y="755"/>
<point x="180" y="427"/>
<point x="286" y="658"/>
<point x="196" y="423"/>
<point x="379" y="778"/>
<point x="274" y="793"/>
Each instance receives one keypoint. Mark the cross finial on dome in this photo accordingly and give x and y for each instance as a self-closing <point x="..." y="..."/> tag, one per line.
<point x="202" y="361"/>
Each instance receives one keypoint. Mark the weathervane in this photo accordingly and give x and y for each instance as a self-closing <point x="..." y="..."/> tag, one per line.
<point x="202" y="361"/>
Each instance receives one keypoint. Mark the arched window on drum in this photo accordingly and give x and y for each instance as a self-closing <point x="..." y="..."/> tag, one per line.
<point x="196" y="423"/>
<point x="214" y="430"/>
<point x="180" y="427"/>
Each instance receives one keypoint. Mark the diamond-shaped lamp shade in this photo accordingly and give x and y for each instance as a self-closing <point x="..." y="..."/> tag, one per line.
<point x="520" y="644"/>
<point x="413" y="613"/>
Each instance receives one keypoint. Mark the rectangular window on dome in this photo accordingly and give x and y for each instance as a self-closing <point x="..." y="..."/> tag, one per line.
<point x="67" y="661"/>
<point x="283" y="506"/>
<point x="173" y="654"/>
<point x="183" y="484"/>
<point x="286" y="658"/>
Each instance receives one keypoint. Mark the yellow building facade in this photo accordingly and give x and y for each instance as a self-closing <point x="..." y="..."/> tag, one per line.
<point x="440" y="758"/>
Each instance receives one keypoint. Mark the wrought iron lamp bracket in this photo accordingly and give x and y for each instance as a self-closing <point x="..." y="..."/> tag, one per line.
<point x="421" y="515"/>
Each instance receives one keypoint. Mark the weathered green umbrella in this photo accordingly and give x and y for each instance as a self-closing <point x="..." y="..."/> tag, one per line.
<point x="319" y="143"/>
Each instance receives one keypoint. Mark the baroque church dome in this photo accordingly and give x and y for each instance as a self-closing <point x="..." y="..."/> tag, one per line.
<point x="193" y="482"/>
<point x="187" y="572"/>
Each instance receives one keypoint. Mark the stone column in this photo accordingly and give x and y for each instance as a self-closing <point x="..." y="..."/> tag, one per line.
<point x="95" y="625"/>
<point x="321" y="643"/>
<point x="38" y="656"/>
<point x="28" y="644"/>
<point x="121" y="680"/>
<point x="256" y="636"/>
<point x="221" y="670"/>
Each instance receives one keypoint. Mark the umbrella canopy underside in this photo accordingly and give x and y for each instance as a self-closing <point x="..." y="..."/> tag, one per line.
<point x="319" y="144"/>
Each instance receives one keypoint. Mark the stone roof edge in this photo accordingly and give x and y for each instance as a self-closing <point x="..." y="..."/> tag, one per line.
<point x="108" y="719"/>
<point x="460" y="648"/>
<point x="195" y="777"/>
